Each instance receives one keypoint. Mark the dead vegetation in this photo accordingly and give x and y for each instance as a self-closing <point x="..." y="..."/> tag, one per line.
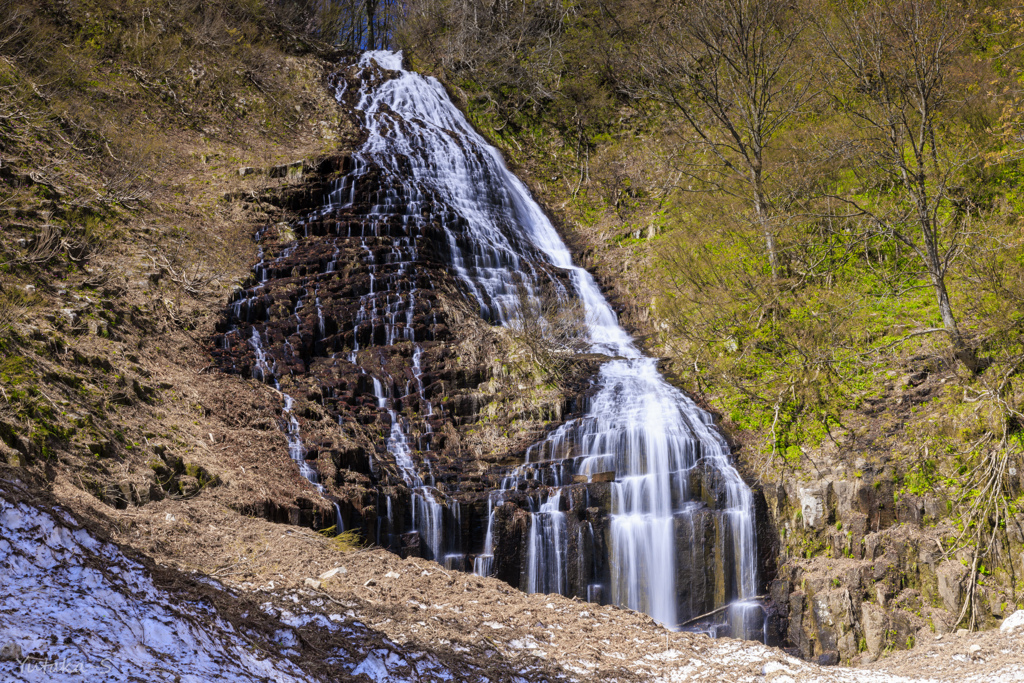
<point x="549" y="327"/>
<point x="124" y="217"/>
<point x="113" y="113"/>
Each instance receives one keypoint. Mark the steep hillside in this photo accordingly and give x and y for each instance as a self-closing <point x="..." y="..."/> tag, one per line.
<point x="133" y="214"/>
<point x="130" y="134"/>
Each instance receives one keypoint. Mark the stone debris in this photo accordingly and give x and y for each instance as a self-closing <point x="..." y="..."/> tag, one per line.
<point x="330" y="574"/>
<point x="11" y="652"/>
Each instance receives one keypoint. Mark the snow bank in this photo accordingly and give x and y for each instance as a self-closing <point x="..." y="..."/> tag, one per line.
<point x="80" y="608"/>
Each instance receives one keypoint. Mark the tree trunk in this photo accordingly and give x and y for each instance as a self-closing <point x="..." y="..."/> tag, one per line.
<point x="763" y="221"/>
<point x="371" y="13"/>
<point x="961" y="350"/>
<point x="773" y="258"/>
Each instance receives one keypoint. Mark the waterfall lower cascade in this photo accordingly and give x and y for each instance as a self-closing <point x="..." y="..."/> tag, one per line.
<point x="632" y="501"/>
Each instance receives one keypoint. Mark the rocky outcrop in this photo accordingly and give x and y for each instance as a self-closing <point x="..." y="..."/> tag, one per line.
<point x="356" y="315"/>
<point x="864" y="571"/>
<point x="409" y="407"/>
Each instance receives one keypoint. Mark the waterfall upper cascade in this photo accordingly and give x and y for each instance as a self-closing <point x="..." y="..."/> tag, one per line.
<point x="632" y="501"/>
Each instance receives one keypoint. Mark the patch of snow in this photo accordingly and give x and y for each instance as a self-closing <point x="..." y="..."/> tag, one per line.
<point x="1013" y="622"/>
<point x="80" y="607"/>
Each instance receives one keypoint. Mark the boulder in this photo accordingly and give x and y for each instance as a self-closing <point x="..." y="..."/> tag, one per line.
<point x="11" y="652"/>
<point x="9" y="456"/>
<point x="813" y="505"/>
<point x="873" y="624"/>
<point x="951" y="577"/>
<point x="331" y="573"/>
<point x="293" y="170"/>
<point x="829" y="658"/>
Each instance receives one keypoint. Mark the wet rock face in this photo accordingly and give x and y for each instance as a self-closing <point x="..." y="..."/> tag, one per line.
<point x="511" y="524"/>
<point x="373" y="314"/>
<point x="695" y="575"/>
<point x="354" y="313"/>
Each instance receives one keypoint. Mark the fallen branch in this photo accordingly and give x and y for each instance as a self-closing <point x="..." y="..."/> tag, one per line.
<point x="720" y="609"/>
<point x="192" y="282"/>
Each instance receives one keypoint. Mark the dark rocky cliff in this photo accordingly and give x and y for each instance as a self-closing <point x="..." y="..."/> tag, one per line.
<point x="487" y="402"/>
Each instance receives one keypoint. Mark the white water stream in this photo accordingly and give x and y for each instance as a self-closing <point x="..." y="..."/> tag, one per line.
<point x="646" y="432"/>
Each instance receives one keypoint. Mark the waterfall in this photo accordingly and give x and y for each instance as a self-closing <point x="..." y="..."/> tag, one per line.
<point x="634" y="500"/>
<point x="545" y="550"/>
<point x="644" y="436"/>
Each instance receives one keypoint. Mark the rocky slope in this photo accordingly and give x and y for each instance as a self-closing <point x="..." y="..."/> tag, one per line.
<point x="373" y="314"/>
<point x="868" y="568"/>
<point x="363" y="325"/>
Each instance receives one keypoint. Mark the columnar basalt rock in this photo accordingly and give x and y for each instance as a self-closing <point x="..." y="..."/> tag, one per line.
<point x="868" y="568"/>
<point x="353" y="311"/>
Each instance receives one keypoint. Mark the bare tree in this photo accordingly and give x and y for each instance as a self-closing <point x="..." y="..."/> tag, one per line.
<point x="896" y="64"/>
<point x="550" y="325"/>
<point x="730" y="69"/>
<point x="514" y="48"/>
<point x="356" y="24"/>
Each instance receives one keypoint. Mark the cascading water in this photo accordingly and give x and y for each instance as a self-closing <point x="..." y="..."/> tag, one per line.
<point x="633" y="500"/>
<point x="646" y="436"/>
<point x="545" y="549"/>
<point x="266" y="372"/>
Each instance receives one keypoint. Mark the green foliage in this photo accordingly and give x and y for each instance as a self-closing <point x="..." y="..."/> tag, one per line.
<point x="845" y="344"/>
<point x="921" y="478"/>
<point x="15" y="371"/>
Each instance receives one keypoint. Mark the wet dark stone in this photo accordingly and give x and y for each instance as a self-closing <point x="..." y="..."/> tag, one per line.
<point x="410" y="544"/>
<point x="707" y="484"/>
<point x="511" y="524"/>
<point x="696" y="532"/>
<point x="830" y="658"/>
<point x="600" y="495"/>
